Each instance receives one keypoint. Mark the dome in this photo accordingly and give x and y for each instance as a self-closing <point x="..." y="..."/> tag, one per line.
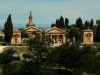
<point x="30" y="23"/>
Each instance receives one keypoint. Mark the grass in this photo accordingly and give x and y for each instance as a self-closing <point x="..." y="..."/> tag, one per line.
<point x="19" y="49"/>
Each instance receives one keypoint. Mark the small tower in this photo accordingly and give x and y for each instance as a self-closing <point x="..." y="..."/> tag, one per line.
<point x="30" y="23"/>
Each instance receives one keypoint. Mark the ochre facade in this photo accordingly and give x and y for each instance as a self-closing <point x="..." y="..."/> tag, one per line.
<point x="16" y="39"/>
<point x="87" y="36"/>
<point x="56" y="34"/>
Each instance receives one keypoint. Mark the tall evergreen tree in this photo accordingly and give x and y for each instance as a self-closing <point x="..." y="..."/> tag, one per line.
<point x="94" y="32"/>
<point x="98" y="30"/>
<point x="57" y="23"/>
<point x="91" y="24"/>
<point x="8" y="31"/>
<point x="52" y="25"/>
<point x="62" y="22"/>
<point x="86" y="25"/>
<point x="79" y="23"/>
<point x="66" y="22"/>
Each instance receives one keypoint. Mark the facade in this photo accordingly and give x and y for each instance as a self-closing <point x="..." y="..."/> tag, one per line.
<point x="30" y="27"/>
<point x="16" y="39"/>
<point x="87" y="36"/>
<point x="1" y="32"/>
<point x="56" y="34"/>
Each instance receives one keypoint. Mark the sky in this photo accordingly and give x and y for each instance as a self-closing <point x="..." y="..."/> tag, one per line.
<point x="45" y="12"/>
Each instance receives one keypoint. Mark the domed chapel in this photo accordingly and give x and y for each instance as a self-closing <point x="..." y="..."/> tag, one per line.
<point x="56" y="34"/>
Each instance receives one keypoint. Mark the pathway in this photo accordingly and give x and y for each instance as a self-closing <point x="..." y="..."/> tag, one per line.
<point x="2" y="47"/>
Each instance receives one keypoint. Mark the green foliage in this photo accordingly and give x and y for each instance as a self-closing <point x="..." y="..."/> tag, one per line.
<point x="86" y="25"/>
<point x="97" y="65"/>
<point x="6" y="56"/>
<point x="87" y="58"/>
<point x="79" y="23"/>
<point x="91" y="24"/>
<point x="98" y="30"/>
<point x="57" y="23"/>
<point x="12" y="68"/>
<point x="37" y="36"/>
<point x="29" y="69"/>
<point x="48" y="40"/>
<point x="24" y="34"/>
<point x="55" y="56"/>
<point x="2" y="38"/>
<point x="35" y="56"/>
<point x="67" y="33"/>
<point x="3" y="43"/>
<point x="71" y="55"/>
<point x="74" y="32"/>
<point x="60" y="23"/>
<point x="8" y="31"/>
<point x="52" y="25"/>
<point x="94" y="33"/>
<point x="34" y="32"/>
<point x="66" y="22"/>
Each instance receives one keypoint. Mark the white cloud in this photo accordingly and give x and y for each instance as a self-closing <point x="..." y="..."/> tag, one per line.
<point x="74" y="14"/>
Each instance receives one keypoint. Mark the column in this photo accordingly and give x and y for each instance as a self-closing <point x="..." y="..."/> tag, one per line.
<point x="63" y="38"/>
<point x="50" y="36"/>
<point x="57" y="38"/>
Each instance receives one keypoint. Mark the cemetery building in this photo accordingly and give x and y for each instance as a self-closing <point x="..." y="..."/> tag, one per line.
<point x="87" y="36"/>
<point x="54" y="33"/>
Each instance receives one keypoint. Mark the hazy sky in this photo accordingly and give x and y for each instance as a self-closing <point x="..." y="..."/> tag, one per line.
<point x="45" y="12"/>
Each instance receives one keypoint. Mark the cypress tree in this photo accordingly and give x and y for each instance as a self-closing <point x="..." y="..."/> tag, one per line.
<point x="79" y="23"/>
<point x="57" y="23"/>
<point x="91" y="24"/>
<point x="98" y="30"/>
<point x="8" y="31"/>
<point x="87" y="24"/>
<point x="52" y="25"/>
<point x="62" y="22"/>
<point x="66" y="22"/>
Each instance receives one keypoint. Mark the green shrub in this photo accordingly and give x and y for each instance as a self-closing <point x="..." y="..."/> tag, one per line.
<point x="4" y="43"/>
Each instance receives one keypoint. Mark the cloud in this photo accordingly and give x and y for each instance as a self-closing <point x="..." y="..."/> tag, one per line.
<point x="74" y="14"/>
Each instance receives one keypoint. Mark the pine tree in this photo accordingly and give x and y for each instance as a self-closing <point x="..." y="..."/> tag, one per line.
<point x="8" y="31"/>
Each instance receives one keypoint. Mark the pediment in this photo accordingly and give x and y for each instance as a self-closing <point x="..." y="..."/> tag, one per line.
<point x="16" y="35"/>
<point x="30" y="29"/>
<point x="55" y="30"/>
<point x="88" y="35"/>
